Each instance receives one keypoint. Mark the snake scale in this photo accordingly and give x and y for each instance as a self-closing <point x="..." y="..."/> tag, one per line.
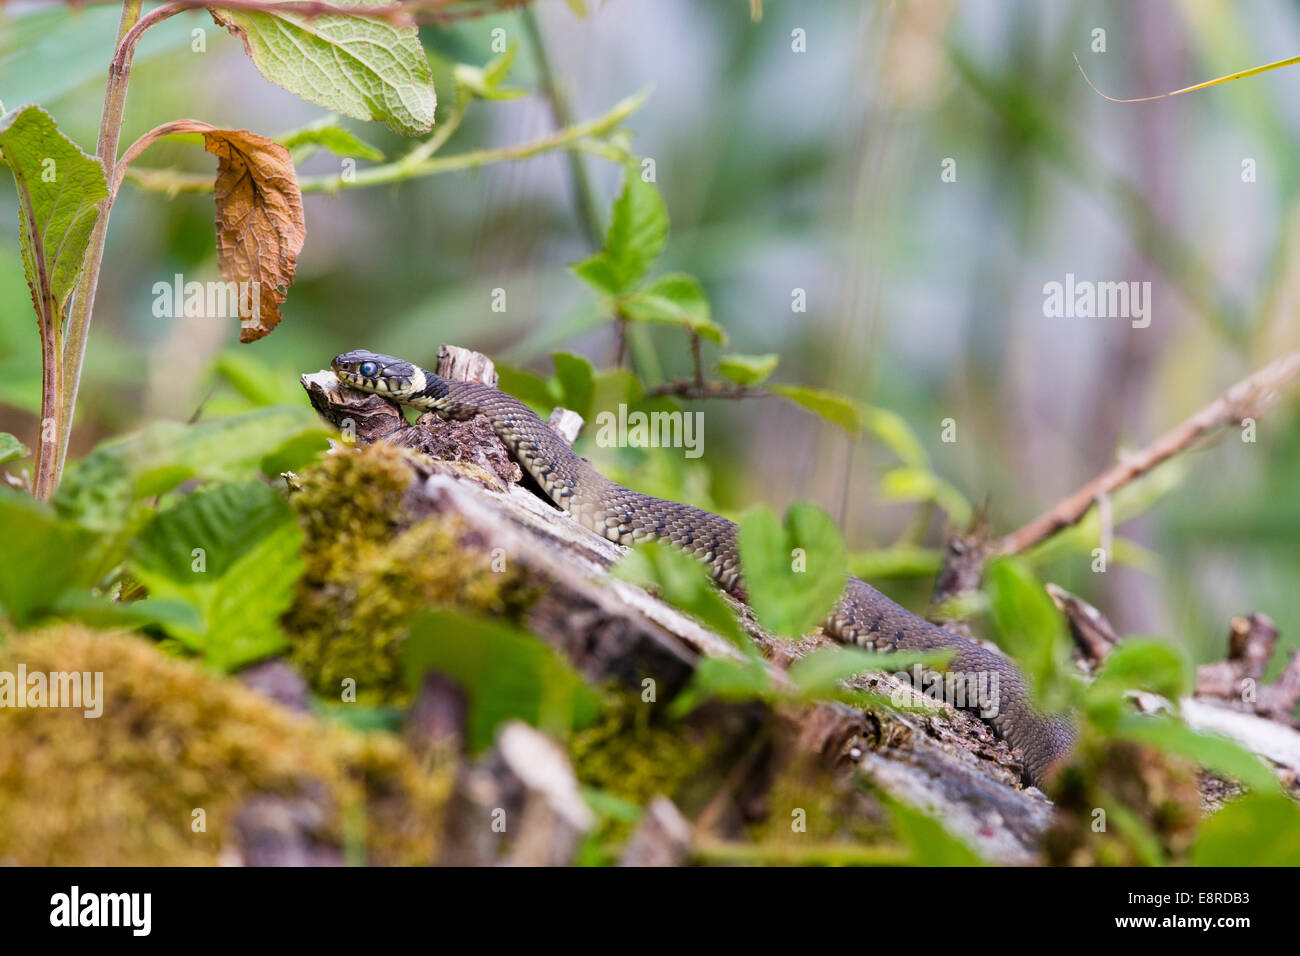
<point x="863" y="616"/>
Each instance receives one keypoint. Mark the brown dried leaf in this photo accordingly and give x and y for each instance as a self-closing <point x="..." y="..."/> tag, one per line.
<point x="260" y="225"/>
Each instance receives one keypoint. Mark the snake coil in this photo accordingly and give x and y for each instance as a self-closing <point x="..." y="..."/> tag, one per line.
<point x="863" y="616"/>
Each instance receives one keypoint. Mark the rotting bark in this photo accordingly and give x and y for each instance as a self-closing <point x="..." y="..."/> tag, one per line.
<point x="945" y="761"/>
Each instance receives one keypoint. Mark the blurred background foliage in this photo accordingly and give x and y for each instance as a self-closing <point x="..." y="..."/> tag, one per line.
<point x="784" y="170"/>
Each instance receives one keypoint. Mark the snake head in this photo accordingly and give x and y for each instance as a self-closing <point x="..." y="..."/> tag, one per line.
<point x="372" y="372"/>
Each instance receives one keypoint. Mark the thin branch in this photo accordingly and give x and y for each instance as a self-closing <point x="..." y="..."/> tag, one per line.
<point x="1247" y="399"/>
<point x="696" y="362"/>
<point x="573" y="137"/>
<point x="692" y="389"/>
<point x="408" y="13"/>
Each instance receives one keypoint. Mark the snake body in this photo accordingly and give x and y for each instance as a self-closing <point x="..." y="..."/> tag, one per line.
<point x="863" y="616"/>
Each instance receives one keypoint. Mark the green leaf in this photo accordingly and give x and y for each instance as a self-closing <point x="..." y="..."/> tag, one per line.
<point x="637" y="232"/>
<point x="231" y="553"/>
<point x="328" y="134"/>
<point x="44" y="558"/>
<point x="893" y="431"/>
<point x="820" y="673"/>
<point x="1260" y="829"/>
<point x="577" y="382"/>
<point x="1029" y="626"/>
<point x="748" y="369"/>
<point x="11" y="449"/>
<point x="674" y="299"/>
<point x="99" y="491"/>
<point x="295" y="453"/>
<point x="723" y="678"/>
<point x="899" y="561"/>
<point x="527" y="386"/>
<point x="506" y="673"/>
<point x="906" y="483"/>
<point x="59" y="188"/>
<point x="486" y="83"/>
<point x="793" y="575"/>
<point x="364" y="68"/>
<point x="930" y="843"/>
<point x="831" y="406"/>
<point x="95" y="611"/>
<point x="1145" y="664"/>
<point x="684" y="582"/>
<point x="1214" y="753"/>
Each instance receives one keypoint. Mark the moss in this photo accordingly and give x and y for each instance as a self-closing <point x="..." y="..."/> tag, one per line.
<point x="368" y="566"/>
<point x="632" y="756"/>
<point x="1150" y="802"/>
<point x="121" y="789"/>
<point x="835" y="807"/>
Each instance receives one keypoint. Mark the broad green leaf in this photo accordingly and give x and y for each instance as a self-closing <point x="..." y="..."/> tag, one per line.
<point x="231" y="553"/>
<point x="723" y="678"/>
<point x="577" y="382"/>
<point x="364" y="68"/>
<point x="1145" y="664"/>
<point x="59" y="189"/>
<point x="906" y="483"/>
<point x="930" y="843"/>
<point x="527" y="386"/>
<point x="44" y="558"/>
<point x="794" y="574"/>
<point x="328" y="134"/>
<point x="618" y="386"/>
<point x="1260" y="829"/>
<point x="834" y="408"/>
<point x="224" y="523"/>
<point x="637" y="232"/>
<point x="11" y="449"/>
<point x="893" y="431"/>
<point x="252" y="378"/>
<point x="674" y="299"/>
<point x="684" y="582"/>
<point x="506" y="673"/>
<point x="99" y="490"/>
<point x="1214" y="753"/>
<point x="899" y="561"/>
<point x="748" y="369"/>
<point x="95" y="611"/>
<point x="1028" y="625"/>
<point x="296" y="453"/>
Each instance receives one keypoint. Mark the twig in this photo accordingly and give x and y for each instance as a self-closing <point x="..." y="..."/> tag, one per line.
<point x="169" y="181"/>
<point x="698" y="389"/>
<point x="403" y="14"/>
<point x="1248" y="398"/>
<point x="695" y="359"/>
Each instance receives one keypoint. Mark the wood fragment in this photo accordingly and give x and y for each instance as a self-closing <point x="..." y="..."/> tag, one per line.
<point x="462" y="365"/>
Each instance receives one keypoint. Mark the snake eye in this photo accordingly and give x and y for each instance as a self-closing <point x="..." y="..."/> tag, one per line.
<point x="368" y="369"/>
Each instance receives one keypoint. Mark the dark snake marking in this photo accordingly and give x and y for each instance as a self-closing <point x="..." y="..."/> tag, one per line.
<point x="863" y="617"/>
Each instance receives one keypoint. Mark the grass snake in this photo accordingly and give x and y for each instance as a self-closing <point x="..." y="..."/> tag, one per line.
<point x="863" y="616"/>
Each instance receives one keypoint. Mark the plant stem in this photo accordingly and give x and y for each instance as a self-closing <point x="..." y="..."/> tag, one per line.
<point x="583" y="194"/>
<point x="572" y="137"/>
<point x="110" y="129"/>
